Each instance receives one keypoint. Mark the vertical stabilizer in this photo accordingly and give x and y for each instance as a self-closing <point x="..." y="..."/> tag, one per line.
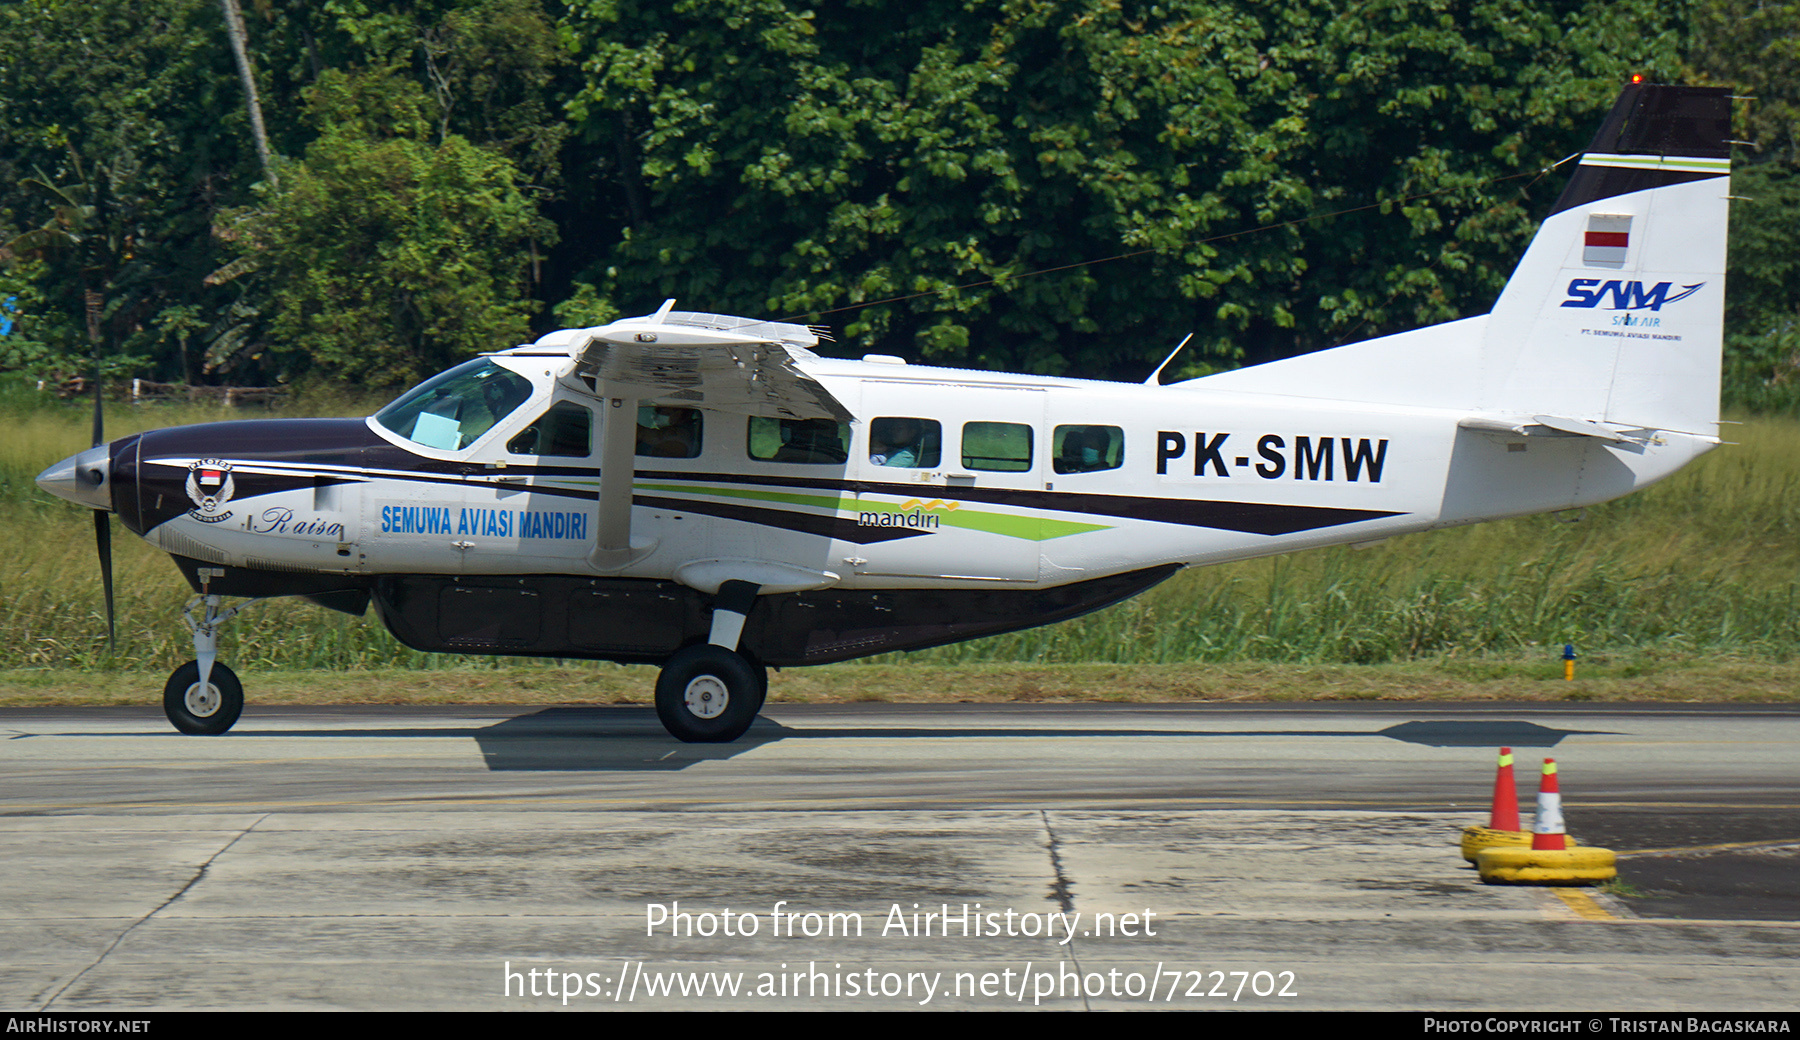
<point x="1616" y="313"/>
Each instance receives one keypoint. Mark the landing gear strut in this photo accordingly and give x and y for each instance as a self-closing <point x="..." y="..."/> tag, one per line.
<point x="710" y="693"/>
<point x="204" y="697"/>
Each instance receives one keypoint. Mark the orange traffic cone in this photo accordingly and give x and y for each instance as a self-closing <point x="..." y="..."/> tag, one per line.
<point x="1505" y="814"/>
<point x="1503" y="818"/>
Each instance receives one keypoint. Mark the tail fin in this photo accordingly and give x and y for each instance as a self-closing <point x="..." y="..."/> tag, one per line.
<point x="1617" y="312"/>
<point x="1614" y="315"/>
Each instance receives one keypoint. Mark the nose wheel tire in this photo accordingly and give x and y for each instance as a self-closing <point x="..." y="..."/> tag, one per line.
<point x="707" y="694"/>
<point x="204" y="711"/>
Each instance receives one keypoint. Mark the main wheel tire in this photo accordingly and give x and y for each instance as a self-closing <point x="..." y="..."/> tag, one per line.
<point x="707" y="694"/>
<point x="761" y="672"/>
<point x="206" y="712"/>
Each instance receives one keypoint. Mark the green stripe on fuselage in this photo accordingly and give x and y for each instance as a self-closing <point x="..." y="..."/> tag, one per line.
<point x="1037" y="529"/>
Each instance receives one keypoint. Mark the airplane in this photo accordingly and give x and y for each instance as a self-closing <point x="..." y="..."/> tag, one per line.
<point x="708" y="494"/>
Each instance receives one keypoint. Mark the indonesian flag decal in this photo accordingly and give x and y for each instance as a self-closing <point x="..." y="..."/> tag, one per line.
<point x="1608" y="240"/>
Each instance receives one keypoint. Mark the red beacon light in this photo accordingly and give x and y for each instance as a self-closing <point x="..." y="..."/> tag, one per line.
<point x="1637" y="77"/>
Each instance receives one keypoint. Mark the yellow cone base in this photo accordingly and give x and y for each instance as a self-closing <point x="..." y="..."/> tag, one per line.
<point x="1474" y="839"/>
<point x="1528" y="866"/>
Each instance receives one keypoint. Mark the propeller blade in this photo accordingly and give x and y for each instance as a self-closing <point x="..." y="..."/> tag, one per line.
<point x="102" y="520"/>
<point x="103" y="544"/>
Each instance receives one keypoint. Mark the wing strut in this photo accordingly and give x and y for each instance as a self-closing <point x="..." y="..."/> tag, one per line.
<point x="613" y="548"/>
<point x="713" y="361"/>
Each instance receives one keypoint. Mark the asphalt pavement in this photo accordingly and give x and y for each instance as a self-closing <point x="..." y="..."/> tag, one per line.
<point x="880" y="856"/>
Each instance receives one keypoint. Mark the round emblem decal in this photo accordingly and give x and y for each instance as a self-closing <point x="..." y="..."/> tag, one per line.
<point x="210" y="486"/>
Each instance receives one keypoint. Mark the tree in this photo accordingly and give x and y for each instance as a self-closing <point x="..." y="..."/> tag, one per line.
<point x="798" y="159"/>
<point x="147" y="99"/>
<point x="115" y="133"/>
<point x="1754" y="48"/>
<point x="385" y="257"/>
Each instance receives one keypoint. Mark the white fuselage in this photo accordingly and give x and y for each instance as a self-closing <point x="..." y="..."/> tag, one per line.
<point x="1201" y="477"/>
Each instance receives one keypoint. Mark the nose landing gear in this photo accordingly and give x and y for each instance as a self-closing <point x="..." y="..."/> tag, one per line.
<point x="204" y="697"/>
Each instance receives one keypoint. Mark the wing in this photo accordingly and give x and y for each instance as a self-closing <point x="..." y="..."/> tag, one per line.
<point x="709" y="360"/>
<point x="713" y="361"/>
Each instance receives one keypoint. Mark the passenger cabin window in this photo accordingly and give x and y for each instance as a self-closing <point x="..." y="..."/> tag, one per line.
<point x="1087" y="449"/>
<point x="1001" y="447"/>
<point x="454" y="409"/>
<point x="906" y="443"/>
<point x="566" y="429"/>
<point x="668" y="433"/>
<point x="819" y="442"/>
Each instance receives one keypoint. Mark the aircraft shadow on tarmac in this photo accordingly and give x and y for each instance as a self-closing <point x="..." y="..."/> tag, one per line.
<point x="630" y="739"/>
<point x="1482" y="733"/>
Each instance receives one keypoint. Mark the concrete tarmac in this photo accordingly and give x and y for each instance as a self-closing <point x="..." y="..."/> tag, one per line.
<point x="880" y="856"/>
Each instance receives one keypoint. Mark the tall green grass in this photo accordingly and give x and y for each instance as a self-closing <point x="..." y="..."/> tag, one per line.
<point x="52" y="609"/>
<point x="1707" y="562"/>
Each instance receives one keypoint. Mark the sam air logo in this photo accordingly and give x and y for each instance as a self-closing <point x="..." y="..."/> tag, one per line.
<point x="209" y="486"/>
<point x="1625" y="296"/>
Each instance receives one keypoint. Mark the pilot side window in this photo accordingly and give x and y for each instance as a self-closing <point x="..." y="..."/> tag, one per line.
<point x="1087" y="449"/>
<point x="668" y="433"/>
<point x="454" y="409"/>
<point x="905" y="442"/>
<point x="566" y="429"/>
<point x="1002" y="447"/>
<point x="820" y="442"/>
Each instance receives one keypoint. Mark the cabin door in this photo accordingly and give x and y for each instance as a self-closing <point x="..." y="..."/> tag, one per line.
<point x="946" y="476"/>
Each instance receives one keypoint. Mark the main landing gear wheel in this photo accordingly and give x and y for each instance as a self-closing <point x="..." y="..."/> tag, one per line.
<point x="209" y="711"/>
<point x="758" y="669"/>
<point x="707" y="694"/>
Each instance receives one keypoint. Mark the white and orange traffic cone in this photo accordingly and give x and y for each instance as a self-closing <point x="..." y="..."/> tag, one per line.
<point x="1547" y="829"/>
<point x="1550" y="860"/>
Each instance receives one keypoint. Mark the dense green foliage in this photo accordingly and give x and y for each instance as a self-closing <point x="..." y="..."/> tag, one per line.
<point x="120" y="134"/>
<point x="455" y="175"/>
<point x="1755" y="48"/>
<point x="389" y="258"/>
<point x="798" y="162"/>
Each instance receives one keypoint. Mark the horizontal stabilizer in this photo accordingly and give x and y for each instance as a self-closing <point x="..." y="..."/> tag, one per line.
<point x="1558" y="426"/>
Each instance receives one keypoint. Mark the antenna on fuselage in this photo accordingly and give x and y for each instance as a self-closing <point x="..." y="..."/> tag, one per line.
<point x="1153" y="376"/>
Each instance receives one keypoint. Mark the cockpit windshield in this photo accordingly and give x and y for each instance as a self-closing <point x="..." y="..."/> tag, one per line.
<point x="453" y="409"/>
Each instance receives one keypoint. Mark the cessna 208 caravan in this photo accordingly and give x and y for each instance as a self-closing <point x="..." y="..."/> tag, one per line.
<point x="706" y="493"/>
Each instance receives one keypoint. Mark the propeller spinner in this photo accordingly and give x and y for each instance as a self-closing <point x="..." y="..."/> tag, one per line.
<point x="86" y="480"/>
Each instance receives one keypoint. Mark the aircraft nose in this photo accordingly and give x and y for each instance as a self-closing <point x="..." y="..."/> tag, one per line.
<point x="83" y="479"/>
